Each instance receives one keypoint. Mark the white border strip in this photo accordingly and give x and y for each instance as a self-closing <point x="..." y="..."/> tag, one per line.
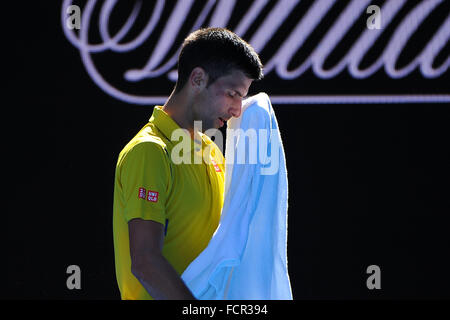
<point x="361" y="99"/>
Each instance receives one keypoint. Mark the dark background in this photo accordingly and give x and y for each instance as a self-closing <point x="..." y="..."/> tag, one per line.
<point x="368" y="184"/>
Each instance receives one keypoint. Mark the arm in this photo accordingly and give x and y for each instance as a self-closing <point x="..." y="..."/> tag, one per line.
<point x="148" y="264"/>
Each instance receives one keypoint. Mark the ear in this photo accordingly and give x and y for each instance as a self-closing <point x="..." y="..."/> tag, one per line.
<point x="198" y="78"/>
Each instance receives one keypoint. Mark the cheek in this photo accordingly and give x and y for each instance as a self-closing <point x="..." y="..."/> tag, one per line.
<point x="217" y="102"/>
<point x="222" y="106"/>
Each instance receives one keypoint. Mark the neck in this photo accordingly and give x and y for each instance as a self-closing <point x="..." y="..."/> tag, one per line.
<point x="179" y="109"/>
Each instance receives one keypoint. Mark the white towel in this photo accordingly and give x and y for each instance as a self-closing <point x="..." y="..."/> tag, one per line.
<point x="246" y="258"/>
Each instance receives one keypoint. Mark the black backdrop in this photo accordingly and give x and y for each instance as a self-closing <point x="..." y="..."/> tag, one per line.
<point x="368" y="183"/>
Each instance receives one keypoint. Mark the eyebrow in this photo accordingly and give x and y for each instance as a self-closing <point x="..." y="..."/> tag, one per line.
<point x="240" y="94"/>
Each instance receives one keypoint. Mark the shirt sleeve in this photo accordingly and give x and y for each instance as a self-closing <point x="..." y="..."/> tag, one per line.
<point x="145" y="180"/>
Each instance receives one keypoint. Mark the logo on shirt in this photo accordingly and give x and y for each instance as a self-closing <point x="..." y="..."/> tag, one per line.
<point x="142" y="193"/>
<point x="152" y="196"/>
<point x="215" y="165"/>
<point x="149" y="195"/>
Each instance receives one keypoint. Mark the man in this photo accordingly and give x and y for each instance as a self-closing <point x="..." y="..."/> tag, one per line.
<point x="165" y="212"/>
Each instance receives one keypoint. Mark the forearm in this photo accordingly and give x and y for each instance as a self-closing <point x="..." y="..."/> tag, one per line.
<point x="160" y="279"/>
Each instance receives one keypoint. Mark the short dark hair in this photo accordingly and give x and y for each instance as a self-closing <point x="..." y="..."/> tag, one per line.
<point x="218" y="51"/>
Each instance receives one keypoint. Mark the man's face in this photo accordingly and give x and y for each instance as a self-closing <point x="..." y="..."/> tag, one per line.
<point x="222" y="99"/>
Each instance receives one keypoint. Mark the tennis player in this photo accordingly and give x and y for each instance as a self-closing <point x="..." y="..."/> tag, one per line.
<point x="166" y="213"/>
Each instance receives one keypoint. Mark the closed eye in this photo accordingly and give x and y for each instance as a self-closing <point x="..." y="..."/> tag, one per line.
<point x="235" y="94"/>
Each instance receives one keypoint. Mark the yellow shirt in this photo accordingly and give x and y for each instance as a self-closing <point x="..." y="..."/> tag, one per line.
<point x="152" y="184"/>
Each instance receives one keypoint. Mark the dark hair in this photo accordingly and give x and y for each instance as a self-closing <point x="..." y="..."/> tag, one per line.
<point x="218" y="51"/>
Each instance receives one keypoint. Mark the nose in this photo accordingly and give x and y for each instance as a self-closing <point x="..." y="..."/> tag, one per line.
<point x="236" y="108"/>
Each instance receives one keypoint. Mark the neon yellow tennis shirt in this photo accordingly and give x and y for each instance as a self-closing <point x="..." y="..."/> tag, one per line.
<point x="153" y="183"/>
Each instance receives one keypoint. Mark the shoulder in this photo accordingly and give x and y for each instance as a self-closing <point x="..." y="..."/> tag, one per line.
<point x="148" y="149"/>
